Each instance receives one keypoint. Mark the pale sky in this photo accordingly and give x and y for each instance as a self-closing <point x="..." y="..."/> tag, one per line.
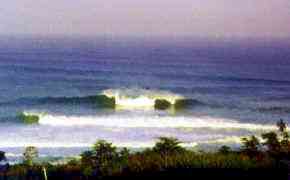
<point x="197" y="18"/>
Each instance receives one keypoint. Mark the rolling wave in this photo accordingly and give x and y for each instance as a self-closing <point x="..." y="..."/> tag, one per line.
<point x="134" y="98"/>
<point x="274" y="109"/>
<point x="135" y="121"/>
<point x="60" y="100"/>
<point x="115" y="98"/>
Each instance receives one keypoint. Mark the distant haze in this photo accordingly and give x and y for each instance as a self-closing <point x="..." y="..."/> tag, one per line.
<point x="196" y="18"/>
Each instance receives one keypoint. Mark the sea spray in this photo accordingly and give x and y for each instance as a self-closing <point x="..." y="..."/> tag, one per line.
<point x="123" y="121"/>
<point x="142" y="98"/>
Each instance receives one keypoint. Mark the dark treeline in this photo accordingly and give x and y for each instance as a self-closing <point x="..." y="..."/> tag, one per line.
<point x="256" y="159"/>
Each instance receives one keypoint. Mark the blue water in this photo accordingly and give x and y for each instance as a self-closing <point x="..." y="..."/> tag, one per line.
<point x="242" y="88"/>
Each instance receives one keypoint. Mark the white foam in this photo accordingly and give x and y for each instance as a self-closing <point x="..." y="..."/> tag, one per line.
<point x="136" y="98"/>
<point x="149" y="122"/>
<point x="34" y="113"/>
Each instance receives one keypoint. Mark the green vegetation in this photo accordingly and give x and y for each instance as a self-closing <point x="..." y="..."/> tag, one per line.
<point x="28" y="118"/>
<point x="168" y="146"/>
<point x="162" y="104"/>
<point x="29" y="155"/>
<point x="168" y="158"/>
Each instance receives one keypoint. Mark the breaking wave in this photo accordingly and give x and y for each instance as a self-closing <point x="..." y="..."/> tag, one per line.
<point x="140" y="97"/>
<point x="136" y="98"/>
<point x="91" y="100"/>
<point x="118" y="98"/>
<point x="135" y="121"/>
<point x="144" y="98"/>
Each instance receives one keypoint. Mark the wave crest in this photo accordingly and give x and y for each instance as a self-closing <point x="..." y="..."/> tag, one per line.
<point x="147" y="122"/>
<point x="136" y="98"/>
<point x="116" y="99"/>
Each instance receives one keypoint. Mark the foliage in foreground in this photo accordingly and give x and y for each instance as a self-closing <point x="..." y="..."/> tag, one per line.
<point x="105" y="160"/>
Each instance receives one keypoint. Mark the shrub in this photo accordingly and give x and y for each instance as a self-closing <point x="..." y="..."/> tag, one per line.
<point x="104" y="152"/>
<point x="251" y="146"/>
<point x="224" y="150"/>
<point x="166" y="146"/>
<point x="88" y="158"/>
<point x="281" y="125"/>
<point x="29" y="155"/>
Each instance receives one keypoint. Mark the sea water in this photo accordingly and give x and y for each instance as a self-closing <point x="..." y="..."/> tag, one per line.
<point x="235" y="88"/>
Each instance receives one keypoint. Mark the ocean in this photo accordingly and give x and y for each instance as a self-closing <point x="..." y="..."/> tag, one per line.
<point x="235" y="88"/>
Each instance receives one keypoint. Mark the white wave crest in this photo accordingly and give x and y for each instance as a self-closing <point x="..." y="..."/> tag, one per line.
<point x="136" y="98"/>
<point x="149" y="122"/>
<point x="34" y="113"/>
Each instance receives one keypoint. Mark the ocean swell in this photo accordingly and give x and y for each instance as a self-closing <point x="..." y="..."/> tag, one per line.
<point x="116" y="98"/>
<point x="135" y="121"/>
<point x="140" y="98"/>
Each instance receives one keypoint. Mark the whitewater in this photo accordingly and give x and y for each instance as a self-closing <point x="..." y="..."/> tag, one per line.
<point x="130" y="92"/>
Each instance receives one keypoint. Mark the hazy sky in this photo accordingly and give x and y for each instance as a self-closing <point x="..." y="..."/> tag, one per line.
<point x="206" y="18"/>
